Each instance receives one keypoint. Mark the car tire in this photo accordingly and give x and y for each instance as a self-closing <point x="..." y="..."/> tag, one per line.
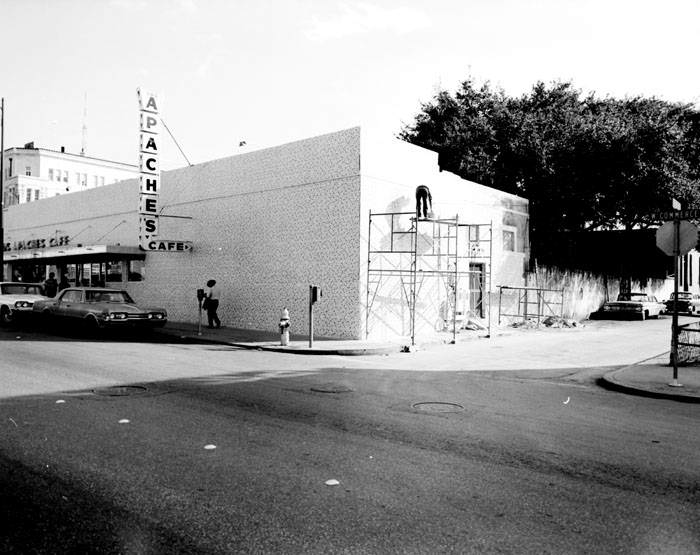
<point x="46" y="319"/>
<point x="5" y="316"/>
<point x="92" y="325"/>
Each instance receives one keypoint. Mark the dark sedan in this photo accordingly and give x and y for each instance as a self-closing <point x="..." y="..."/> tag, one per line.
<point x="99" y="309"/>
<point x="687" y="303"/>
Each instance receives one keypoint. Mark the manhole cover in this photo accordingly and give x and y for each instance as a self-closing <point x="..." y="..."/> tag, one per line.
<point x="437" y="406"/>
<point x="120" y="390"/>
<point x="331" y="388"/>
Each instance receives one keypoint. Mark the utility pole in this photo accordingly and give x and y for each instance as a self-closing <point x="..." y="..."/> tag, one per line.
<point x="2" y="182"/>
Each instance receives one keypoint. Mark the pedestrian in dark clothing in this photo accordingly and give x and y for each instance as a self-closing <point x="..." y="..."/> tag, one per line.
<point x="424" y="198"/>
<point x="212" y="303"/>
<point x="51" y="285"/>
<point x="64" y="283"/>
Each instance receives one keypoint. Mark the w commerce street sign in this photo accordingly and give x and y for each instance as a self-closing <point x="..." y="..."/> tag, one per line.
<point x="693" y="214"/>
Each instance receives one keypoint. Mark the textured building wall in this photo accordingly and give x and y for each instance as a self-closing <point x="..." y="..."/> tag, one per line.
<point x="266" y="225"/>
<point x="106" y="215"/>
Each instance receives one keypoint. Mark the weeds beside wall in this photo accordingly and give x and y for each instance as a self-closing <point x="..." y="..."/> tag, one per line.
<point x="585" y="292"/>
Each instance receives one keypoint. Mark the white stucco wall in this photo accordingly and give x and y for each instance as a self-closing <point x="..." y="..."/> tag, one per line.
<point x="391" y="170"/>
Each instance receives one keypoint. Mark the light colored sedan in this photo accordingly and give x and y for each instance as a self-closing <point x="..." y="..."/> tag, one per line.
<point x="640" y="305"/>
<point x="17" y="299"/>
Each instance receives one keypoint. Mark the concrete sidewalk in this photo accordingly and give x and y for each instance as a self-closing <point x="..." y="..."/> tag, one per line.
<point x="270" y="341"/>
<point x="651" y="378"/>
<point x="595" y="346"/>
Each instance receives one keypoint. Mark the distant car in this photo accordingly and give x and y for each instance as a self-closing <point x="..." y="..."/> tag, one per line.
<point x="638" y="305"/>
<point x="687" y="303"/>
<point x="17" y="299"/>
<point x="99" y="308"/>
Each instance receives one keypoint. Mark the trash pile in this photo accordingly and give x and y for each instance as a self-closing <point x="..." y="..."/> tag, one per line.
<point x="548" y="322"/>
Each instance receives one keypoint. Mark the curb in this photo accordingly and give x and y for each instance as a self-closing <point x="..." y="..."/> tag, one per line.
<point x="359" y="351"/>
<point x="609" y="381"/>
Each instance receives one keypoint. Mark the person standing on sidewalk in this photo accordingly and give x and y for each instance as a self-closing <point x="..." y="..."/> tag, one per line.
<point x="212" y="303"/>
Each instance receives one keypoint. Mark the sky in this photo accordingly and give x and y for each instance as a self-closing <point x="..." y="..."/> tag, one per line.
<point x="270" y="72"/>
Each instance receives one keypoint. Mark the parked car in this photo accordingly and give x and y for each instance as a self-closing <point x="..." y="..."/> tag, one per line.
<point x="638" y="305"/>
<point x="99" y="308"/>
<point x="687" y="303"/>
<point x="17" y="299"/>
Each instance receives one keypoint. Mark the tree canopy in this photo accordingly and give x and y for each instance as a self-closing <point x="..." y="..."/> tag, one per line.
<point x="583" y="162"/>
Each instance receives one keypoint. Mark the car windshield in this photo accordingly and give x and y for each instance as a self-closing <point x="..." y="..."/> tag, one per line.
<point x="107" y="297"/>
<point x="632" y="297"/>
<point x="682" y="295"/>
<point x="20" y="289"/>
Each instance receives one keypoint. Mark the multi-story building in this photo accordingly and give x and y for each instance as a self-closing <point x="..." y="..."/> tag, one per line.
<point x="35" y="173"/>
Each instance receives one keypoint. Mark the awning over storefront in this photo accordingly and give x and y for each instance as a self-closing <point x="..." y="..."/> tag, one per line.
<point x="83" y="253"/>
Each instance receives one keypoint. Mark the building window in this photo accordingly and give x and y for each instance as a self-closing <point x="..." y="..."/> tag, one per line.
<point x="96" y="182"/>
<point x="102" y="181"/>
<point x="113" y="271"/>
<point x="509" y="238"/>
<point x="36" y="194"/>
<point x="9" y="168"/>
<point x="50" y="174"/>
<point x="27" y="170"/>
<point x="29" y="195"/>
<point x="77" y="179"/>
<point x="137" y="270"/>
<point x="65" y="176"/>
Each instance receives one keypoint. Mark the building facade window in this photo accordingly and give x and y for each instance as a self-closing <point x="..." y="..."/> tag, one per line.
<point x="114" y="271"/>
<point x="137" y="270"/>
<point x="65" y="176"/>
<point x="509" y="239"/>
<point x="50" y="174"/>
<point x="27" y="170"/>
<point x="36" y="194"/>
<point x="29" y="194"/>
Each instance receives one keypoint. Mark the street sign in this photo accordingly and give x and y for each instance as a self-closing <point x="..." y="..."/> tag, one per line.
<point x="687" y="237"/>
<point x="692" y="214"/>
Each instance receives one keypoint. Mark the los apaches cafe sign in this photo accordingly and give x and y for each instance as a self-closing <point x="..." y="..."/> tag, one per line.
<point x="149" y="180"/>
<point x="34" y="244"/>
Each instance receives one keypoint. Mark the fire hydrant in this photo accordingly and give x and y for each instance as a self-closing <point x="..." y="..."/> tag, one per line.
<point x="284" y="327"/>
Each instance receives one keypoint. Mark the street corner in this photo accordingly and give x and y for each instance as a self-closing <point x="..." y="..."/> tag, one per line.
<point x="655" y="379"/>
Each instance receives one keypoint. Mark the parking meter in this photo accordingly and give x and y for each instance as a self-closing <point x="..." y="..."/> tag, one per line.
<point x="200" y="298"/>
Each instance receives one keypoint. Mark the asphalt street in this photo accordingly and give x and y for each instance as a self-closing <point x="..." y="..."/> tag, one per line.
<point x="126" y="446"/>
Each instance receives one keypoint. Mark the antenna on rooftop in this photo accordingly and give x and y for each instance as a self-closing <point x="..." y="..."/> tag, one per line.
<point x="84" y="143"/>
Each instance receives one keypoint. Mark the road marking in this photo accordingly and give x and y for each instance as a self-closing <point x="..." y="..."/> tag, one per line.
<point x="567" y="401"/>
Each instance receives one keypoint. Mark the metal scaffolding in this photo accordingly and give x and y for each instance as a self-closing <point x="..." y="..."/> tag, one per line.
<point x="415" y="251"/>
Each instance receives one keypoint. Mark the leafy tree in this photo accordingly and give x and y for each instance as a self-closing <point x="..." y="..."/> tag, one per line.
<point x="583" y="162"/>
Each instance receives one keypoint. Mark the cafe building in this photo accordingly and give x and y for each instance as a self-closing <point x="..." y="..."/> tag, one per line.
<point x="335" y="211"/>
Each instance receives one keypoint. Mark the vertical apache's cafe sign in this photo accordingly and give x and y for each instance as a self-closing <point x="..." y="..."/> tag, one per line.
<point x="149" y="179"/>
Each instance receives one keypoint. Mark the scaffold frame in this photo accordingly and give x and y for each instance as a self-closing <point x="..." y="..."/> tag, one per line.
<point x="443" y="255"/>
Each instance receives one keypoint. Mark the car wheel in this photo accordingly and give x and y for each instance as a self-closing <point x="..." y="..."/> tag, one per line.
<point x="46" y="319"/>
<point x="5" y="316"/>
<point x="92" y="325"/>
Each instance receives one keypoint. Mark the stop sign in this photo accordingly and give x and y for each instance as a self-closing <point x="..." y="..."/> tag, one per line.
<point x="687" y="237"/>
